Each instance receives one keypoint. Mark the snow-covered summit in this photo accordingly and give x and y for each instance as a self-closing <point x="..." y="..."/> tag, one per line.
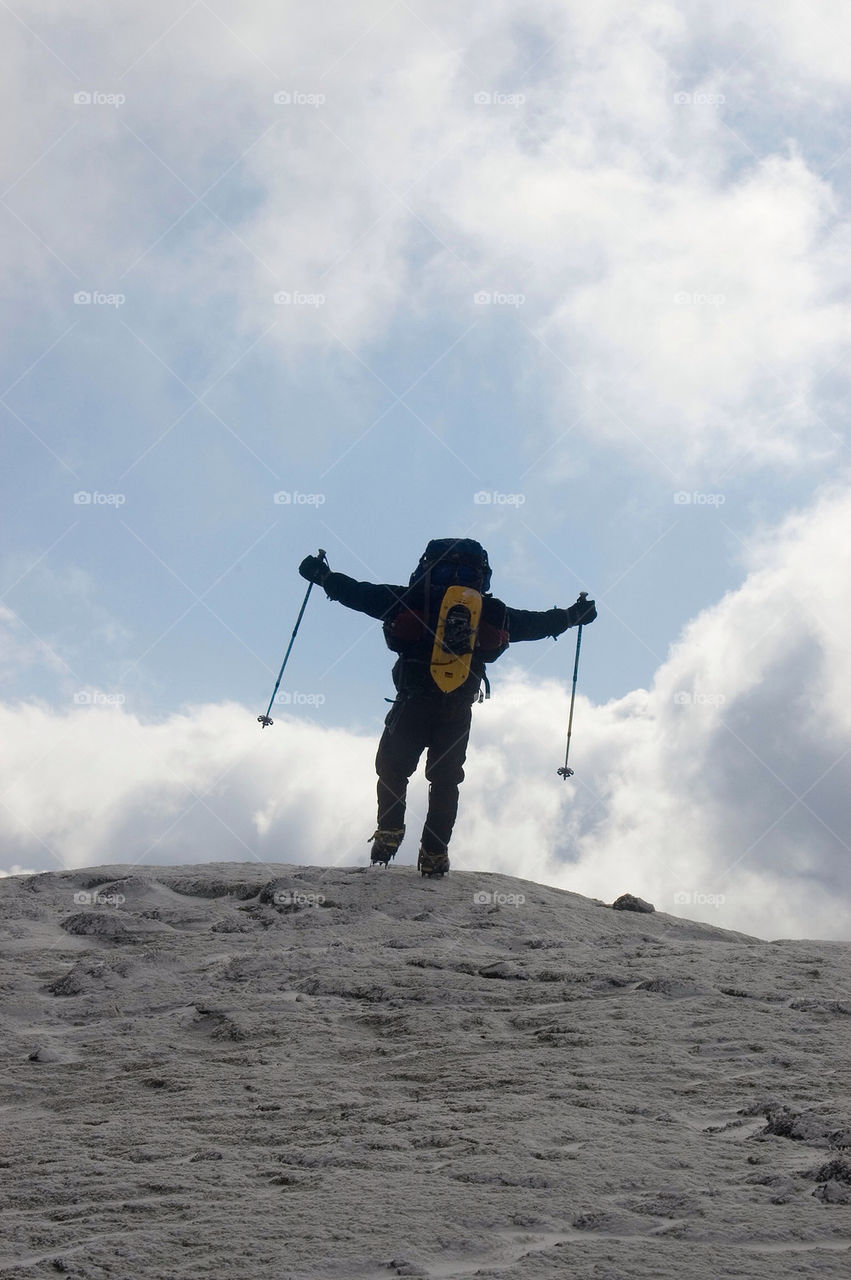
<point x="233" y="1070"/>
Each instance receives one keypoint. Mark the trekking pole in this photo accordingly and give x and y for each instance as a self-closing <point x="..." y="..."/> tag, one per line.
<point x="566" y="773"/>
<point x="267" y="719"/>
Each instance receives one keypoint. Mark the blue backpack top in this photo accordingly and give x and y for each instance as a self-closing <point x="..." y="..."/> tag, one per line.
<point x="459" y="562"/>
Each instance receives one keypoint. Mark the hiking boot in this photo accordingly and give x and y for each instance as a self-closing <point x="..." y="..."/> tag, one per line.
<point x="385" y="844"/>
<point x="433" y="864"/>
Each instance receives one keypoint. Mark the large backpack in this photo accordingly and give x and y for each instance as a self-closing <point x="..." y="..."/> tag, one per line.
<point x="440" y="621"/>
<point x="454" y="562"/>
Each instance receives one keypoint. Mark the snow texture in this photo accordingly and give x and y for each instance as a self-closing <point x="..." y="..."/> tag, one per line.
<point x="301" y="1073"/>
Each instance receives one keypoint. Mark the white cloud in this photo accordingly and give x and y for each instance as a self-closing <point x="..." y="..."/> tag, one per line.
<point x="705" y="340"/>
<point x="806" y="43"/>
<point x="598" y="197"/>
<point x="97" y="784"/>
<point x="21" y="649"/>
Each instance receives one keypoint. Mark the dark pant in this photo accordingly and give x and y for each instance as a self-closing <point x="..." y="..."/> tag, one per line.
<point x="414" y="725"/>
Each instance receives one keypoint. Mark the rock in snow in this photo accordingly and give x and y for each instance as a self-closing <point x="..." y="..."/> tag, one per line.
<point x="629" y="902"/>
<point x="305" y="1073"/>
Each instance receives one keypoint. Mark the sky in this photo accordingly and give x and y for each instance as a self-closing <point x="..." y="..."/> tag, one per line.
<point x="570" y="280"/>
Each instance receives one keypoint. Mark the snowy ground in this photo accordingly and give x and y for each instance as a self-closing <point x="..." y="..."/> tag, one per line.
<point x="294" y="1072"/>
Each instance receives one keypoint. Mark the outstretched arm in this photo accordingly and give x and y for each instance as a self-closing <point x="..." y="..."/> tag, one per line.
<point x="529" y="624"/>
<point x="374" y="599"/>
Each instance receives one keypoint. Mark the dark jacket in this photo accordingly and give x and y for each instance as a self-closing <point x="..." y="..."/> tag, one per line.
<point x="411" y="672"/>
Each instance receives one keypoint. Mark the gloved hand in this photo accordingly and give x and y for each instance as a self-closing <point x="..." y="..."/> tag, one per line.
<point x="315" y="569"/>
<point x="581" y="613"/>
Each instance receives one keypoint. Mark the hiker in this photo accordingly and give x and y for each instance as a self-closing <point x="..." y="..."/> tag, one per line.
<point x="444" y="626"/>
